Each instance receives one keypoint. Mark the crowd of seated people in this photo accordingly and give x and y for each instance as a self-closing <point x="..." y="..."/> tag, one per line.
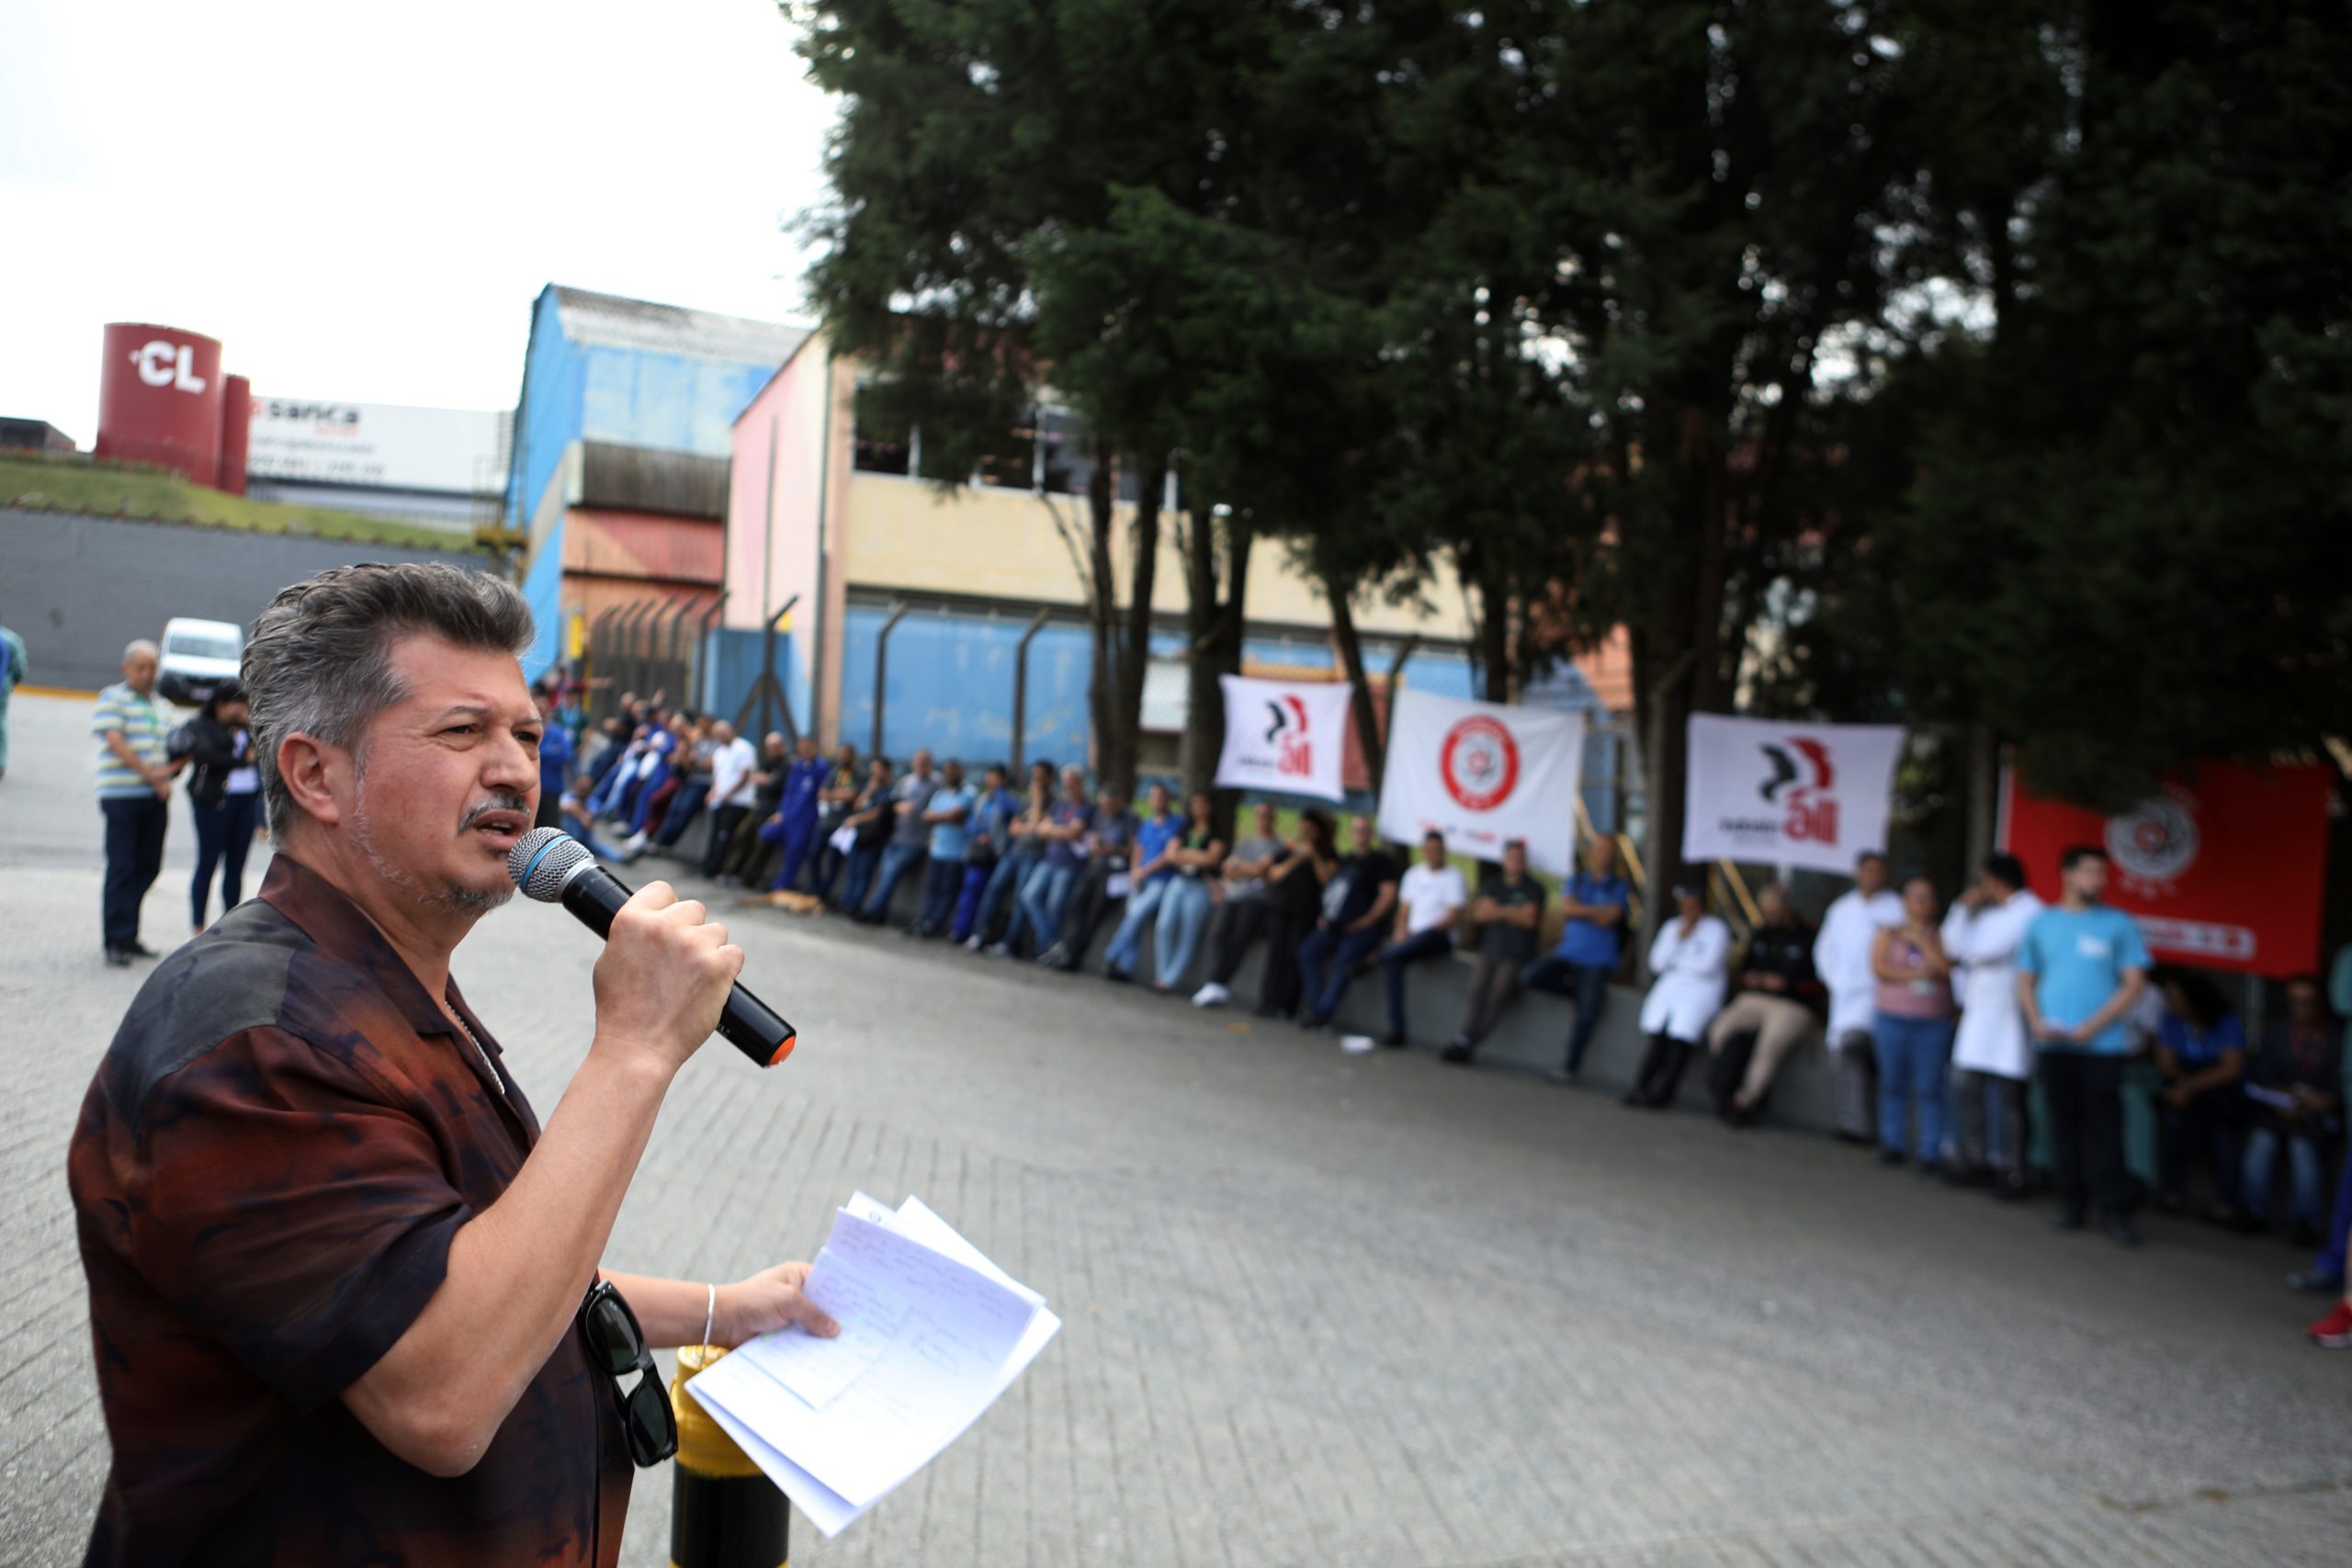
<point x="1948" y="1027"/>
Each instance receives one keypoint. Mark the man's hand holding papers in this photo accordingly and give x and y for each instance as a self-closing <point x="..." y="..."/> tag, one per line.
<point x="931" y="1334"/>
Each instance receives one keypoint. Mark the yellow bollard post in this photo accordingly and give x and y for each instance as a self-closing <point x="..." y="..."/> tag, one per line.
<point x="723" y="1511"/>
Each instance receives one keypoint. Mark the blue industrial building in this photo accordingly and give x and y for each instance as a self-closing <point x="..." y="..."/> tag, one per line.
<point x="626" y="418"/>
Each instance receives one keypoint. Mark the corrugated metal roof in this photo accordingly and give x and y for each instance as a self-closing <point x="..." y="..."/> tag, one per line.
<point x="612" y="322"/>
<point x="644" y="479"/>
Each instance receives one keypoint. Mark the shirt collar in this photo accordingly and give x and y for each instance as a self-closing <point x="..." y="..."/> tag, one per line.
<point x="341" y="929"/>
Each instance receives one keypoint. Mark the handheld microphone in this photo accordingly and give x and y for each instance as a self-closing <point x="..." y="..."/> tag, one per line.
<point x="553" y="868"/>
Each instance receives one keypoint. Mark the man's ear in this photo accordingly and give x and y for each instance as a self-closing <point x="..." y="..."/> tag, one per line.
<point x="318" y="777"/>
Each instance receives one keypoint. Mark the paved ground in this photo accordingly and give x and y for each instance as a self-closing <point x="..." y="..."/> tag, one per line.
<point x="1322" y="1310"/>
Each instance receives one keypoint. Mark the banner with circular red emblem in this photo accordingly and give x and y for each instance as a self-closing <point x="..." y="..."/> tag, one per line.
<point x="1483" y="774"/>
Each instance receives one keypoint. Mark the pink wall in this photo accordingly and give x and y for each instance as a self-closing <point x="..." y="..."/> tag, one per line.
<point x="772" y="538"/>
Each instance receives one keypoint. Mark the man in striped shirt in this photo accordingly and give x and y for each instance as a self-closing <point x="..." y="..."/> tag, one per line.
<point x="134" y="792"/>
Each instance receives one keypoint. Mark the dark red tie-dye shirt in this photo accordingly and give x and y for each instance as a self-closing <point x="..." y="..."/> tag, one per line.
<point x="268" y="1170"/>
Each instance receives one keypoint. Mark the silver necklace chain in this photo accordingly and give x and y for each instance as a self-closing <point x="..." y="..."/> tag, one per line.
<point x="487" y="1065"/>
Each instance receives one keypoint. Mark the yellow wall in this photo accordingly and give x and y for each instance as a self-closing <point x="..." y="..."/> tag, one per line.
<point x="903" y="534"/>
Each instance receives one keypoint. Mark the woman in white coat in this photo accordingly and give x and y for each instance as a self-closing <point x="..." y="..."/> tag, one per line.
<point x="1691" y="959"/>
<point x="1992" y="1056"/>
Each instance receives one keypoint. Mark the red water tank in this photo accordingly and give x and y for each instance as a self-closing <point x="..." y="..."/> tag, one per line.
<point x="159" y="396"/>
<point x="236" y="432"/>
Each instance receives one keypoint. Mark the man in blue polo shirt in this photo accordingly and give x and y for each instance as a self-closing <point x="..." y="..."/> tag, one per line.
<point x="2080" y="968"/>
<point x="1580" y="963"/>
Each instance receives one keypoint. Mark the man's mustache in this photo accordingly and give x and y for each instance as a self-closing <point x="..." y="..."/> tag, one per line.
<point x="495" y="803"/>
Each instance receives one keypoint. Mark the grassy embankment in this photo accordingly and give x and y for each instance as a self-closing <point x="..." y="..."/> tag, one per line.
<point x="150" y="495"/>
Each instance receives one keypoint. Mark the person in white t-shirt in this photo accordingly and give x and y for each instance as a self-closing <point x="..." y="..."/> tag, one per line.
<point x="1427" y="901"/>
<point x="1841" y="956"/>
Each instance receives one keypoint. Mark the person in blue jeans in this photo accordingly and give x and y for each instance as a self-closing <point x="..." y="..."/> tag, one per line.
<point x="555" y="753"/>
<point x="994" y="810"/>
<point x="223" y="793"/>
<point x="1581" y="962"/>
<point x="1357" y="903"/>
<point x="909" y="841"/>
<point x="2294" y="1096"/>
<point x="1184" y="909"/>
<point x="948" y="815"/>
<point x="2080" y="969"/>
<point x="1429" y="900"/>
<point x="1046" y="892"/>
<point x="1912" y="1035"/>
<point x="870" y="821"/>
<point x="1018" y="852"/>
<point x="1155" y="836"/>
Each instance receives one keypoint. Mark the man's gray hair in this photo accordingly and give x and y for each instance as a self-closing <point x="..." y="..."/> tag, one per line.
<point x="318" y="662"/>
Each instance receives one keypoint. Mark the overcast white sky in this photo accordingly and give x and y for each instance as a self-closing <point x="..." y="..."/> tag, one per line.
<point x="361" y="202"/>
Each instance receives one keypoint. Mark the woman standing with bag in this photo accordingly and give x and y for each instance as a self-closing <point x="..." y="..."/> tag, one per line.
<point x="224" y="788"/>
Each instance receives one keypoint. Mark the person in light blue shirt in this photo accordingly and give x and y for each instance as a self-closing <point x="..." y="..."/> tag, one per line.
<point x="1580" y="963"/>
<point x="1158" y="833"/>
<point x="950" y="816"/>
<point x="2080" y="968"/>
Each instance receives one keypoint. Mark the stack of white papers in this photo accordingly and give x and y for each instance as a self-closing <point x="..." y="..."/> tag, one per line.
<point x="932" y="1333"/>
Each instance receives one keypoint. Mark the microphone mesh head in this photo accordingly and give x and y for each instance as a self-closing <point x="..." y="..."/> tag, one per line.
<point x="542" y="861"/>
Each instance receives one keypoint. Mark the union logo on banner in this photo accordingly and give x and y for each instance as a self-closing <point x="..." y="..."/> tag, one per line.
<point x="1288" y="735"/>
<point x="1775" y="792"/>
<point x="2155" y="844"/>
<point x="1813" y="809"/>
<point x="1284" y="736"/>
<point x="1479" y="763"/>
<point x="2224" y="867"/>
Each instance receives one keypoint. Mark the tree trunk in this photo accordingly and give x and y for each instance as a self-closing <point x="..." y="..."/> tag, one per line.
<point x="1367" y="721"/>
<point x="1101" y="702"/>
<point x="1122" y="751"/>
<point x="1984" y="795"/>
<point x="1203" y="703"/>
<point x="1221" y="655"/>
<point x="1493" y="630"/>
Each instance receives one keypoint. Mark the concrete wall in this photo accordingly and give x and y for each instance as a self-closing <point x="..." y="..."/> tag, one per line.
<point x="77" y="588"/>
<point x="906" y="534"/>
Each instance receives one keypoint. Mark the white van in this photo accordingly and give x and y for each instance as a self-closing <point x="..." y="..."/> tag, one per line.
<point x="197" y="655"/>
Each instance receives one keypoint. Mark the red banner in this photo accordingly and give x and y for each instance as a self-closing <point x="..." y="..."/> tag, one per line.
<point x="2224" y="869"/>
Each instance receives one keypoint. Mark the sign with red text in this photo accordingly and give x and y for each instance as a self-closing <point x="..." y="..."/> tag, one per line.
<point x="1773" y="793"/>
<point x="2225" y="867"/>
<point x="1289" y="737"/>
<point x="1483" y="774"/>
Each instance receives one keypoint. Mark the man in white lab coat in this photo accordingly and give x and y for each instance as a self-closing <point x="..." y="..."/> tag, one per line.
<point x="1841" y="956"/>
<point x="1991" y="1055"/>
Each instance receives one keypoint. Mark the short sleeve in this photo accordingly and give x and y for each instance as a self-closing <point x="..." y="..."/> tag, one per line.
<point x="107" y="717"/>
<point x="2230" y="1034"/>
<point x="292" y="1208"/>
<point x="2130" y="948"/>
<point x="2029" y="958"/>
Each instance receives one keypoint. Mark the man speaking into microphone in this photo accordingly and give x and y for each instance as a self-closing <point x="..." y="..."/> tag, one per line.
<point x="344" y="1288"/>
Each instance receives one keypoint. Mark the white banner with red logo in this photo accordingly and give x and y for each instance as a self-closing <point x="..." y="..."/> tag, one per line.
<point x="1286" y="736"/>
<point x="1483" y="774"/>
<point x="1775" y="792"/>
